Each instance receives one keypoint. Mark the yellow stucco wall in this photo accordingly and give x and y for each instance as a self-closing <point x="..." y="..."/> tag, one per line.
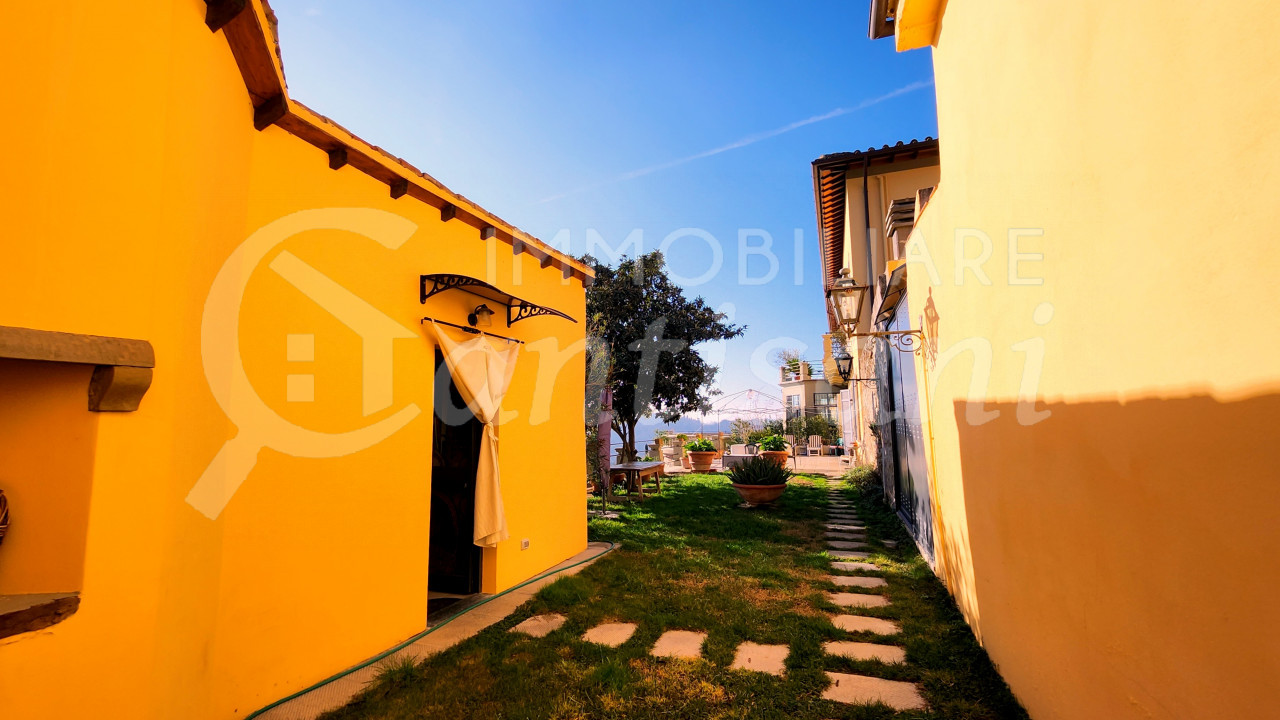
<point x="1112" y="547"/>
<point x="50" y="482"/>
<point x="133" y="172"/>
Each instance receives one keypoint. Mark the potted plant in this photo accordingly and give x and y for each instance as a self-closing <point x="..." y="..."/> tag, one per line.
<point x="759" y="480"/>
<point x="774" y="449"/>
<point x="701" y="454"/>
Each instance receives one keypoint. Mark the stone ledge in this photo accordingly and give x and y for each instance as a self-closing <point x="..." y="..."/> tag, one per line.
<point x="36" y="611"/>
<point x="122" y="372"/>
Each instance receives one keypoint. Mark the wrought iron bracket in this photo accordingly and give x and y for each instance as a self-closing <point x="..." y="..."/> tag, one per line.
<point x="517" y="309"/>
<point x="911" y="341"/>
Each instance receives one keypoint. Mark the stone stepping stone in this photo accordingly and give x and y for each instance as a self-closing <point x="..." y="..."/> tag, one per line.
<point x="891" y="544"/>
<point x="848" y="554"/>
<point x="684" y="644"/>
<point x="863" y="690"/>
<point x="846" y="527"/>
<point x="540" y="625"/>
<point x="832" y="535"/>
<point x="835" y="517"/>
<point x="891" y="654"/>
<point x="611" y="634"/>
<point x="845" y="544"/>
<point x="851" y="566"/>
<point x="857" y="581"/>
<point x="844" y="599"/>
<point x="862" y="623"/>
<point x="761" y="658"/>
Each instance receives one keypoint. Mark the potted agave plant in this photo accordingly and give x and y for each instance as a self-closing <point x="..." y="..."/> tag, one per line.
<point x="774" y="449"/>
<point x="701" y="453"/>
<point x="759" y="480"/>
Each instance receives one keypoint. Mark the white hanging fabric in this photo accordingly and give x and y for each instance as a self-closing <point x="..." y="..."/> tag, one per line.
<point x="482" y="368"/>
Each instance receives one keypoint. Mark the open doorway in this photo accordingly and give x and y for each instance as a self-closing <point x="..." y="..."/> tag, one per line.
<point x="453" y="570"/>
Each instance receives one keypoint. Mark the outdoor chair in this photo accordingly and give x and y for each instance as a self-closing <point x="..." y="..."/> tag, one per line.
<point x="815" y="445"/>
<point x="737" y="450"/>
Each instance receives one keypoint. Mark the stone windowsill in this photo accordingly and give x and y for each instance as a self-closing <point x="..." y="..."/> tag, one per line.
<point x="35" y="611"/>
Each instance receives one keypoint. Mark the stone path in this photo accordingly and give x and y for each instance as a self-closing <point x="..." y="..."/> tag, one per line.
<point x="611" y="634"/>
<point x="847" y="544"/>
<point x="849" y="554"/>
<point x="856" y="581"/>
<point x="861" y="623"/>
<point x="679" y="644"/>
<point x="867" y="651"/>
<point x="539" y="625"/>
<point x="864" y="690"/>
<point x="857" y="600"/>
<point x="761" y="658"/>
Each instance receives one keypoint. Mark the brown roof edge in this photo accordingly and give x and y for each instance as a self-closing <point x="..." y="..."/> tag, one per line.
<point x="249" y="27"/>
<point x="822" y="244"/>
<point x="883" y="153"/>
<point x="882" y="23"/>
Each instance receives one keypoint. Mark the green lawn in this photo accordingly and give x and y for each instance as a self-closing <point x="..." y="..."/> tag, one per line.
<point x="691" y="559"/>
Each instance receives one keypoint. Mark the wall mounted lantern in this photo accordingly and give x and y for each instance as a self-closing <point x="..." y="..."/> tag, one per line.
<point x="844" y="291"/>
<point x="482" y="316"/>
<point x="844" y="363"/>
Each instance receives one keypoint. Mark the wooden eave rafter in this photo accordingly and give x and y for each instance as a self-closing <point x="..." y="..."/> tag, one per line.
<point x="248" y="28"/>
<point x="830" y="189"/>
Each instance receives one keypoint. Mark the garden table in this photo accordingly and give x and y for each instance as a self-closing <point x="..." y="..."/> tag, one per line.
<point x="635" y="473"/>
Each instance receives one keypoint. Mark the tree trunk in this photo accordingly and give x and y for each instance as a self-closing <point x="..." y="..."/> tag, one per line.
<point x="627" y="431"/>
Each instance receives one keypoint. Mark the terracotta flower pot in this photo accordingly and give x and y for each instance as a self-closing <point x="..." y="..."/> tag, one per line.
<point x="778" y="456"/>
<point x="760" y="494"/>
<point x="702" y="460"/>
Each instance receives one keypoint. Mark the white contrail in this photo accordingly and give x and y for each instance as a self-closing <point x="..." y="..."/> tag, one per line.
<point x="749" y="140"/>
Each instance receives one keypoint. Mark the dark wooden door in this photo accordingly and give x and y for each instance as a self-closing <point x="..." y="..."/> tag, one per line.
<point x="454" y="560"/>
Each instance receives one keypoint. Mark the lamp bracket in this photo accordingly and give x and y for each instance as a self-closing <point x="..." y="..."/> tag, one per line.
<point x="911" y="341"/>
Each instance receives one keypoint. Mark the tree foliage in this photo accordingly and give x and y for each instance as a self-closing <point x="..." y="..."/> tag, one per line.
<point x="649" y="330"/>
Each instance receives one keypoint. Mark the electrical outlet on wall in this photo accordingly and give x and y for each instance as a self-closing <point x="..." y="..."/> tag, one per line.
<point x="524" y="544"/>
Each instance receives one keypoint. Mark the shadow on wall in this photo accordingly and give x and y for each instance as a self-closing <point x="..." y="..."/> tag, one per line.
<point x="1123" y="555"/>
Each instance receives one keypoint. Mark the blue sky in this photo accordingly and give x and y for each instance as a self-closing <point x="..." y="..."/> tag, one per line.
<point x="568" y="117"/>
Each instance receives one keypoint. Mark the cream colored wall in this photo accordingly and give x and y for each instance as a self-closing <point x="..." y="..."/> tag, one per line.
<point x="1110" y="545"/>
<point x="884" y="188"/>
<point x="133" y="171"/>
